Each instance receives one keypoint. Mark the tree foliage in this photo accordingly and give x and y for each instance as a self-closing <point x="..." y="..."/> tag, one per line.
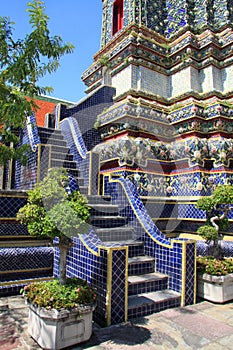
<point x="52" y="212"/>
<point x="22" y="63"/>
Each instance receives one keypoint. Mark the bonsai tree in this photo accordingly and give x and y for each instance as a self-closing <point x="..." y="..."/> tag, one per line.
<point x="52" y="212"/>
<point x="217" y="207"/>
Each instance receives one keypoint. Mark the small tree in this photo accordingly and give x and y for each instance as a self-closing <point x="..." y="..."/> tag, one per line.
<point x="217" y="208"/>
<point x="52" y="212"/>
<point x="22" y="63"/>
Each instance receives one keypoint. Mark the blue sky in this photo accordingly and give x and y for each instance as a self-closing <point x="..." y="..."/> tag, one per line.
<point x="76" y="21"/>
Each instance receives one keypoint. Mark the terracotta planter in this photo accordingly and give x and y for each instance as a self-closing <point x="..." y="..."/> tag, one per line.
<point x="55" y="330"/>
<point x="218" y="289"/>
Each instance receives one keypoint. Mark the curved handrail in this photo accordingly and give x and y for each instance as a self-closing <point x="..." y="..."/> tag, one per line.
<point x="32" y="132"/>
<point x="73" y="136"/>
<point x="141" y="213"/>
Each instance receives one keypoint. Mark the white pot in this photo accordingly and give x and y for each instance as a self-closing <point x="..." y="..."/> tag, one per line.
<point x="54" y="330"/>
<point x="215" y="288"/>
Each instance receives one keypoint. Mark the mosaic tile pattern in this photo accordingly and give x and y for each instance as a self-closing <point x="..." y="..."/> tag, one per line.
<point x="118" y="288"/>
<point x="26" y="175"/>
<point x="168" y="17"/>
<point x="17" y="265"/>
<point x="9" y="205"/>
<point x="190" y="273"/>
<point x="72" y="134"/>
<point x="32" y="131"/>
<point x="84" y="262"/>
<point x="168" y="253"/>
<point x="204" y="249"/>
<point x="12" y="228"/>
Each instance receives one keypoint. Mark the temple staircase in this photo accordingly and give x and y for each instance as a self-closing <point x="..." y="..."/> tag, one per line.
<point x="148" y="290"/>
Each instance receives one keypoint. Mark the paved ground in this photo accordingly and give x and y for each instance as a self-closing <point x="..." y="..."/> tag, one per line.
<point x="203" y="326"/>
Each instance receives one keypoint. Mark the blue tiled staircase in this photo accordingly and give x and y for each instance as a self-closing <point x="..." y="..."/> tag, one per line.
<point x="147" y="289"/>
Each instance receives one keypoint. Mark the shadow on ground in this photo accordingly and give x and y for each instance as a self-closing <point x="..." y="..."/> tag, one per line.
<point x="127" y="334"/>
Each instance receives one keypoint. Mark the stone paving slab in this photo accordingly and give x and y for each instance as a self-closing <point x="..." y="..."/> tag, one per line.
<point x="204" y="326"/>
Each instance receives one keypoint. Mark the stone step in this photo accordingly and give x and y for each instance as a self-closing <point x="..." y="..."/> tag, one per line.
<point x="97" y="199"/>
<point x="60" y="149"/>
<point x="49" y="131"/>
<point x="108" y="221"/>
<point x="74" y="172"/>
<point x="103" y="209"/>
<point x="54" y="142"/>
<point x="140" y="265"/>
<point x="146" y="283"/>
<point x="116" y="234"/>
<point x="62" y="156"/>
<point x="148" y="303"/>
<point x="58" y="163"/>
<point x="52" y="139"/>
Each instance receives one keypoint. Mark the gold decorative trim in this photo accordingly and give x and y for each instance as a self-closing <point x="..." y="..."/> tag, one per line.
<point x="126" y="283"/>
<point x="183" y="284"/>
<point x="109" y="287"/>
<point x="31" y="280"/>
<point x="12" y="195"/>
<point x="195" y="274"/>
<point x="90" y="174"/>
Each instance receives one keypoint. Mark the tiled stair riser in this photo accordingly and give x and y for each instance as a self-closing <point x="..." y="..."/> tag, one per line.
<point x="149" y="309"/>
<point x="108" y="221"/>
<point x="145" y="287"/>
<point x="141" y="268"/>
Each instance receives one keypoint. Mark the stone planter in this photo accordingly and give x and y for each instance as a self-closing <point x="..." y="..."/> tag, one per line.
<point x="218" y="289"/>
<point x="55" y="330"/>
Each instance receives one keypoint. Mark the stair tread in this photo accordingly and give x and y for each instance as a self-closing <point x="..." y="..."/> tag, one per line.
<point x="153" y="276"/>
<point x="140" y="258"/>
<point x="62" y="160"/>
<point x="104" y="229"/>
<point x="99" y="205"/>
<point x="151" y="297"/>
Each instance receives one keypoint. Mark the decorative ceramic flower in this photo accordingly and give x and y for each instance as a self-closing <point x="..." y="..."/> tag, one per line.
<point x="197" y="154"/>
<point x="169" y="189"/>
<point x="137" y="176"/>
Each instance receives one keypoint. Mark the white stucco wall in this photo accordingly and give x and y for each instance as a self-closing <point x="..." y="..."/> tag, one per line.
<point x="188" y="79"/>
<point x="123" y="80"/>
<point x="227" y="78"/>
<point x="180" y="82"/>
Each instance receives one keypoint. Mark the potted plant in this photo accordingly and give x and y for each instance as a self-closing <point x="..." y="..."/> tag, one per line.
<point x="60" y="311"/>
<point x="215" y="273"/>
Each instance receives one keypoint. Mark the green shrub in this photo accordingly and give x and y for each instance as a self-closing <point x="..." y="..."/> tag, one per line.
<point x="53" y="295"/>
<point x="209" y="233"/>
<point x="216" y="267"/>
